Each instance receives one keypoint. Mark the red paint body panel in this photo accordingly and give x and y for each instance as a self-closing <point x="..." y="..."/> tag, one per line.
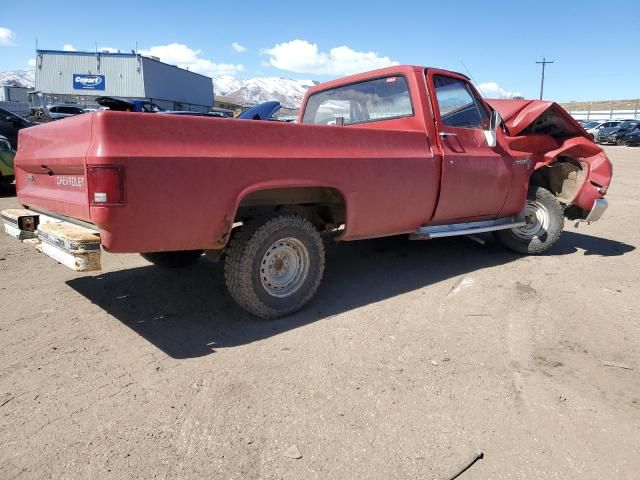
<point x="52" y="152"/>
<point x="475" y="179"/>
<point x="184" y="177"/>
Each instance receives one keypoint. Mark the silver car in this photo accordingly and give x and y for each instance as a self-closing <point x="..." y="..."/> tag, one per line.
<point x="56" y="112"/>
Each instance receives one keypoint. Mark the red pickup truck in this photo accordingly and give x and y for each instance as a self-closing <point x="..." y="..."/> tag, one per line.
<point x="401" y="150"/>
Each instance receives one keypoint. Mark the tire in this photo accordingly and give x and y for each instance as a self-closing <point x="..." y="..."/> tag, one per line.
<point x="273" y="267"/>
<point x="545" y="221"/>
<point x="180" y="259"/>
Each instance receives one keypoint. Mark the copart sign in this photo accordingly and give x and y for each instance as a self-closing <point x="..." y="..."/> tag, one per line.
<point x="88" y="82"/>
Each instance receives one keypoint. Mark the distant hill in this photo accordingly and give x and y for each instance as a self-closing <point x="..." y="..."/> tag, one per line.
<point x="18" y="78"/>
<point x="602" y="105"/>
<point x="287" y="91"/>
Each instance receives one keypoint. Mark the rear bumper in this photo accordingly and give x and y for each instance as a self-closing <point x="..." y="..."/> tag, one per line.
<point x="74" y="246"/>
<point x="600" y="205"/>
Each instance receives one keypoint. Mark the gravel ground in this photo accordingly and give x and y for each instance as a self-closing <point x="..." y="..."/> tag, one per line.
<point x="413" y="356"/>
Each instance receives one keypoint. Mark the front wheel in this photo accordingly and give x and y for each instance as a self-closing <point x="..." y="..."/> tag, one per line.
<point x="273" y="267"/>
<point x="544" y="217"/>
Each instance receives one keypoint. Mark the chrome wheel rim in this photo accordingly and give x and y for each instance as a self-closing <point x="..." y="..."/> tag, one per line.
<point x="284" y="267"/>
<point x="537" y="220"/>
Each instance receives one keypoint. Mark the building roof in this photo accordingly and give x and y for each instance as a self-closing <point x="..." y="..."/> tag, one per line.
<point x="131" y="54"/>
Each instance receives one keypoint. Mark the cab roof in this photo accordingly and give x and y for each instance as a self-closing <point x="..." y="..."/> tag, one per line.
<point x="380" y="72"/>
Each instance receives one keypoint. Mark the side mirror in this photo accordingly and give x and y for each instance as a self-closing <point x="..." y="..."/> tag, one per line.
<point x="494" y="124"/>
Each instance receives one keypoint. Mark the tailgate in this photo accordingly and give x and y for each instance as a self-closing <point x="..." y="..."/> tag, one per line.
<point x="50" y="167"/>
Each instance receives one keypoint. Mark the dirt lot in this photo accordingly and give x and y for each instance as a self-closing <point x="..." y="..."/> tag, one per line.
<point x="413" y="356"/>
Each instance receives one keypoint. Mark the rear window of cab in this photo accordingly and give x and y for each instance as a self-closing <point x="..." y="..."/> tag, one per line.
<point x="374" y="100"/>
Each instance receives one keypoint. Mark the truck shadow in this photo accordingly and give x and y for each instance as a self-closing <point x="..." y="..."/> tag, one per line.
<point x="187" y="313"/>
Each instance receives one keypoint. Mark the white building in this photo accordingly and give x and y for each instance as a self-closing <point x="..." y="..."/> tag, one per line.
<point x="81" y="77"/>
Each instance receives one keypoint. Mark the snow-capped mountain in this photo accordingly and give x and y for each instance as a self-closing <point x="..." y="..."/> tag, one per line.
<point x="249" y="91"/>
<point x="18" y="78"/>
<point x="287" y="91"/>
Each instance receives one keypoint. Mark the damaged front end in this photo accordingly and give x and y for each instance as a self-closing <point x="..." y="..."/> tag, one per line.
<point x="565" y="159"/>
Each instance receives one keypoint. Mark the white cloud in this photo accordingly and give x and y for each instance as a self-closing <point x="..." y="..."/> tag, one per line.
<point x="238" y="48"/>
<point x="301" y="56"/>
<point x="32" y="62"/>
<point x="493" y="90"/>
<point x="184" y="57"/>
<point x="7" y="37"/>
<point x="69" y="48"/>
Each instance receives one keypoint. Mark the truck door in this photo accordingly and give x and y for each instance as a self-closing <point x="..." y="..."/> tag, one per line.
<point x="475" y="177"/>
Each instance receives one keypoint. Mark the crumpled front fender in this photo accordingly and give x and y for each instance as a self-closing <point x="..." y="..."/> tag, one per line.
<point x="547" y="132"/>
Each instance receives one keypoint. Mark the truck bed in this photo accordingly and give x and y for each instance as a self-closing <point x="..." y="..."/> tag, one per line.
<point x="184" y="176"/>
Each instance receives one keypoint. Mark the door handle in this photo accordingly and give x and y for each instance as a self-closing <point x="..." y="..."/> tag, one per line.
<point x="447" y="134"/>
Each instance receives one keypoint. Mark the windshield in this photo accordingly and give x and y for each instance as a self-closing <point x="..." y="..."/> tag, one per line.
<point x="590" y="124"/>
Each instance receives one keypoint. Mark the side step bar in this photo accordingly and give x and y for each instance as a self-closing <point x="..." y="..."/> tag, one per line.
<point x="72" y="245"/>
<point x="470" y="228"/>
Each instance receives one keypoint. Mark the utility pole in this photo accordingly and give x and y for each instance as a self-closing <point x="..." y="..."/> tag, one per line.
<point x="543" y="62"/>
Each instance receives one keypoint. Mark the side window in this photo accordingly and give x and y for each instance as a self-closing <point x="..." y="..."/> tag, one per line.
<point x="368" y="101"/>
<point x="459" y="106"/>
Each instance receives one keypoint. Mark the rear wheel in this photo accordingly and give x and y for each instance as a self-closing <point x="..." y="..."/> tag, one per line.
<point x="273" y="267"/>
<point x="178" y="259"/>
<point x="544" y="218"/>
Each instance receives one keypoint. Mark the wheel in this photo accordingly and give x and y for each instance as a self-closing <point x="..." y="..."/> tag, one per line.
<point x="544" y="218"/>
<point x="621" y="141"/>
<point x="178" y="259"/>
<point x="273" y="267"/>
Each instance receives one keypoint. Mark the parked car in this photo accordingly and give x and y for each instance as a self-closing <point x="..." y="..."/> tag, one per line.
<point x="594" y="130"/>
<point x="633" y="138"/>
<point x="121" y="105"/>
<point x="262" y="111"/>
<point x="57" y="112"/>
<point x="192" y="113"/>
<point x="223" y="112"/>
<point x="613" y="135"/>
<point x="11" y="124"/>
<point x="622" y="138"/>
<point x="7" y="153"/>
<point x="403" y="150"/>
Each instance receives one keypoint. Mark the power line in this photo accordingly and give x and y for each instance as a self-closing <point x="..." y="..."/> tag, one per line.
<point x="543" y="62"/>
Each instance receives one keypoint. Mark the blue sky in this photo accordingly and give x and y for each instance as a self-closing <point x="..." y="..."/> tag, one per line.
<point x="594" y="45"/>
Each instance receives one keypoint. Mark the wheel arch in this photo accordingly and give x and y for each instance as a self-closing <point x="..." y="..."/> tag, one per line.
<point x="564" y="177"/>
<point x="320" y="203"/>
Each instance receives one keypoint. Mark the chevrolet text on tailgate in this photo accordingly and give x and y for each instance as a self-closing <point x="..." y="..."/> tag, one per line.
<point x="401" y="150"/>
